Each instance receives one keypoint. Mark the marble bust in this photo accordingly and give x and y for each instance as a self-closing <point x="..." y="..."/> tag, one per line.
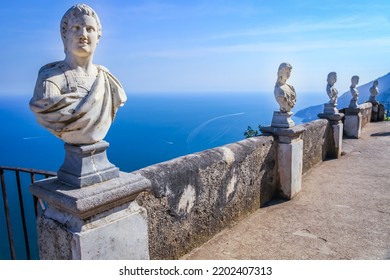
<point x="285" y="96"/>
<point x="284" y="93"/>
<point x="374" y="92"/>
<point x="75" y="99"/>
<point x="330" y="88"/>
<point x="354" y="92"/>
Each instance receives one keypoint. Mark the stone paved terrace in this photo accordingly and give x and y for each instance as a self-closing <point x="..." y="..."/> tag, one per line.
<point x="342" y="212"/>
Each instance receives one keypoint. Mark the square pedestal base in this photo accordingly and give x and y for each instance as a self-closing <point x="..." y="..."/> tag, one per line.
<point x="290" y="158"/>
<point x="290" y="167"/>
<point x="102" y="221"/>
<point x="336" y="145"/>
<point x="118" y="234"/>
<point x="86" y="165"/>
<point x="353" y="123"/>
<point x="330" y="108"/>
<point x="282" y="120"/>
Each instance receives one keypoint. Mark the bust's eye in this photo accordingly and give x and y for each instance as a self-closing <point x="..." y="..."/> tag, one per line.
<point x="90" y="29"/>
<point x="75" y="27"/>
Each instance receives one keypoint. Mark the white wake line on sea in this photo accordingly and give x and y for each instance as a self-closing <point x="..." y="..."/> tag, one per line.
<point x="34" y="137"/>
<point x="196" y="130"/>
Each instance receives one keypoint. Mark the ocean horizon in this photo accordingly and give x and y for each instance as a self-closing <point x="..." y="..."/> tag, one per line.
<point x="150" y="128"/>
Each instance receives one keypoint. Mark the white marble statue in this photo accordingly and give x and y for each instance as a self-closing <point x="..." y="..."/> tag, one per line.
<point x="75" y="99"/>
<point x="330" y="89"/>
<point x="374" y="92"/>
<point x="284" y="94"/>
<point x="354" y="92"/>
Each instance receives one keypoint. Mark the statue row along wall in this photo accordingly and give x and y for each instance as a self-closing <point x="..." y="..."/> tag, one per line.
<point x="351" y="117"/>
<point x="286" y="96"/>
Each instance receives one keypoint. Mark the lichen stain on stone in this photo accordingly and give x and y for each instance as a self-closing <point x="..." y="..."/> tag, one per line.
<point x="231" y="186"/>
<point x="228" y="155"/>
<point x="187" y="200"/>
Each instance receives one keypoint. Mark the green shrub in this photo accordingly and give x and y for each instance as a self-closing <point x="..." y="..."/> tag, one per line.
<point x="250" y="132"/>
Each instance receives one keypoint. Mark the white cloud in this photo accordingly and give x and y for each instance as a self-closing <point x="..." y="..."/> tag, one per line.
<point x="271" y="47"/>
<point x="352" y="23"/>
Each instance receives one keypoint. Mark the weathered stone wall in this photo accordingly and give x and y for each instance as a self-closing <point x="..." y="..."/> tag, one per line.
<point x="366" y="110"/>
<point x="316" y="140"/>
<point x="196" y="196"/>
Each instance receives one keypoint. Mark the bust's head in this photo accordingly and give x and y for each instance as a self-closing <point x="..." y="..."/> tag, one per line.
<point x="355" y="80"/>
<point x="376" y="82"/>
<point x="332" y="78"/>
<point x="284" y="71"/>
<point x="77" y="18"/>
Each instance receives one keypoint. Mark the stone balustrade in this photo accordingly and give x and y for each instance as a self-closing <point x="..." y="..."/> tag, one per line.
<point x="165" y="210"/>
<point x="185" y="201"/>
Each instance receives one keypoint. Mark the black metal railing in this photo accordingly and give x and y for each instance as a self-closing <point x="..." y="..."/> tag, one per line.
<point x="20" y="199"/>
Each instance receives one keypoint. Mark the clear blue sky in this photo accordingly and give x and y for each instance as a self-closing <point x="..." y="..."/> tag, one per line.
<point x="206" y="45"/>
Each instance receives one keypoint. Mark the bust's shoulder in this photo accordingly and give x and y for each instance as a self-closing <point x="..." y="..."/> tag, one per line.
<point x="278" y="90"/>
<point x="284" y="89"/>
<point x="103" y="68"/>
<point x="291" y="87"/>
<point x="53" y="72"/>
<point x="51" y="69"/>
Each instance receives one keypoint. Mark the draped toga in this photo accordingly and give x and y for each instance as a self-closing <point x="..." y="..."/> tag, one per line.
<point x="75" y="116"/>
<point x="285" y="96"/>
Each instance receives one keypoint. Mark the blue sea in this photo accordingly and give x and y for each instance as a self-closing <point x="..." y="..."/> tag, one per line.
<point x="150" y="128"/>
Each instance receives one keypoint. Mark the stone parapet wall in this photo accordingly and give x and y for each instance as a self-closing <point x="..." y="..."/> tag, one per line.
<point x="184" y="202"/>
<point x="366" y="111"/>
<point x="316" y="140"/>
<point x="196" y="196"/>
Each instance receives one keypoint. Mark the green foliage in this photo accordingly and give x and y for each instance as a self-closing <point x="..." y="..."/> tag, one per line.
<point x="250" y="132"/>
<point x="386" y="106"/>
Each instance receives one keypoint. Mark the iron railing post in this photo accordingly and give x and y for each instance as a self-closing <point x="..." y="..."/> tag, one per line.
<point x="7" y="215"/>
<point x="22" y="213"/>
<point x="36" y="201"/>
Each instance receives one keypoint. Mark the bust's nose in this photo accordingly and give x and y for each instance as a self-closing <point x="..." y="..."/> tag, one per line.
<point x="82" y="32"/>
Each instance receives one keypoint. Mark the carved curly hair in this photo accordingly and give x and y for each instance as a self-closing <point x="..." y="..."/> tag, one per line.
<point x="77" y="10"/>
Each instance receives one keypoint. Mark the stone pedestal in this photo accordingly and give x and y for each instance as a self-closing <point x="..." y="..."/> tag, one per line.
<point x="330" y="109"/>
<point x="290" y="158"/>
<point x="381" y="112"/>
<point x="85" y="165"/>
<point x="337" y="133"/>
<point x="378" y="112"/>
<point x="97" y="222"/>
<point x="374" y="112"/>
<point x="282" y="119"/>
<point x="353" y="104"/>
<point x="353" y="122"/>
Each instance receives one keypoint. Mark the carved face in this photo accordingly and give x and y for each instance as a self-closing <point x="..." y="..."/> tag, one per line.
<point x="81" y="37"/>
<point x="332" y="79"/>
<point x="287" y="73"/>
<point x="355" y="80"/>
<point x="284" y="74"/>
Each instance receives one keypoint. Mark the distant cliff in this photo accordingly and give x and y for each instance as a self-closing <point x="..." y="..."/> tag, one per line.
<point x="310" y="113"/>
